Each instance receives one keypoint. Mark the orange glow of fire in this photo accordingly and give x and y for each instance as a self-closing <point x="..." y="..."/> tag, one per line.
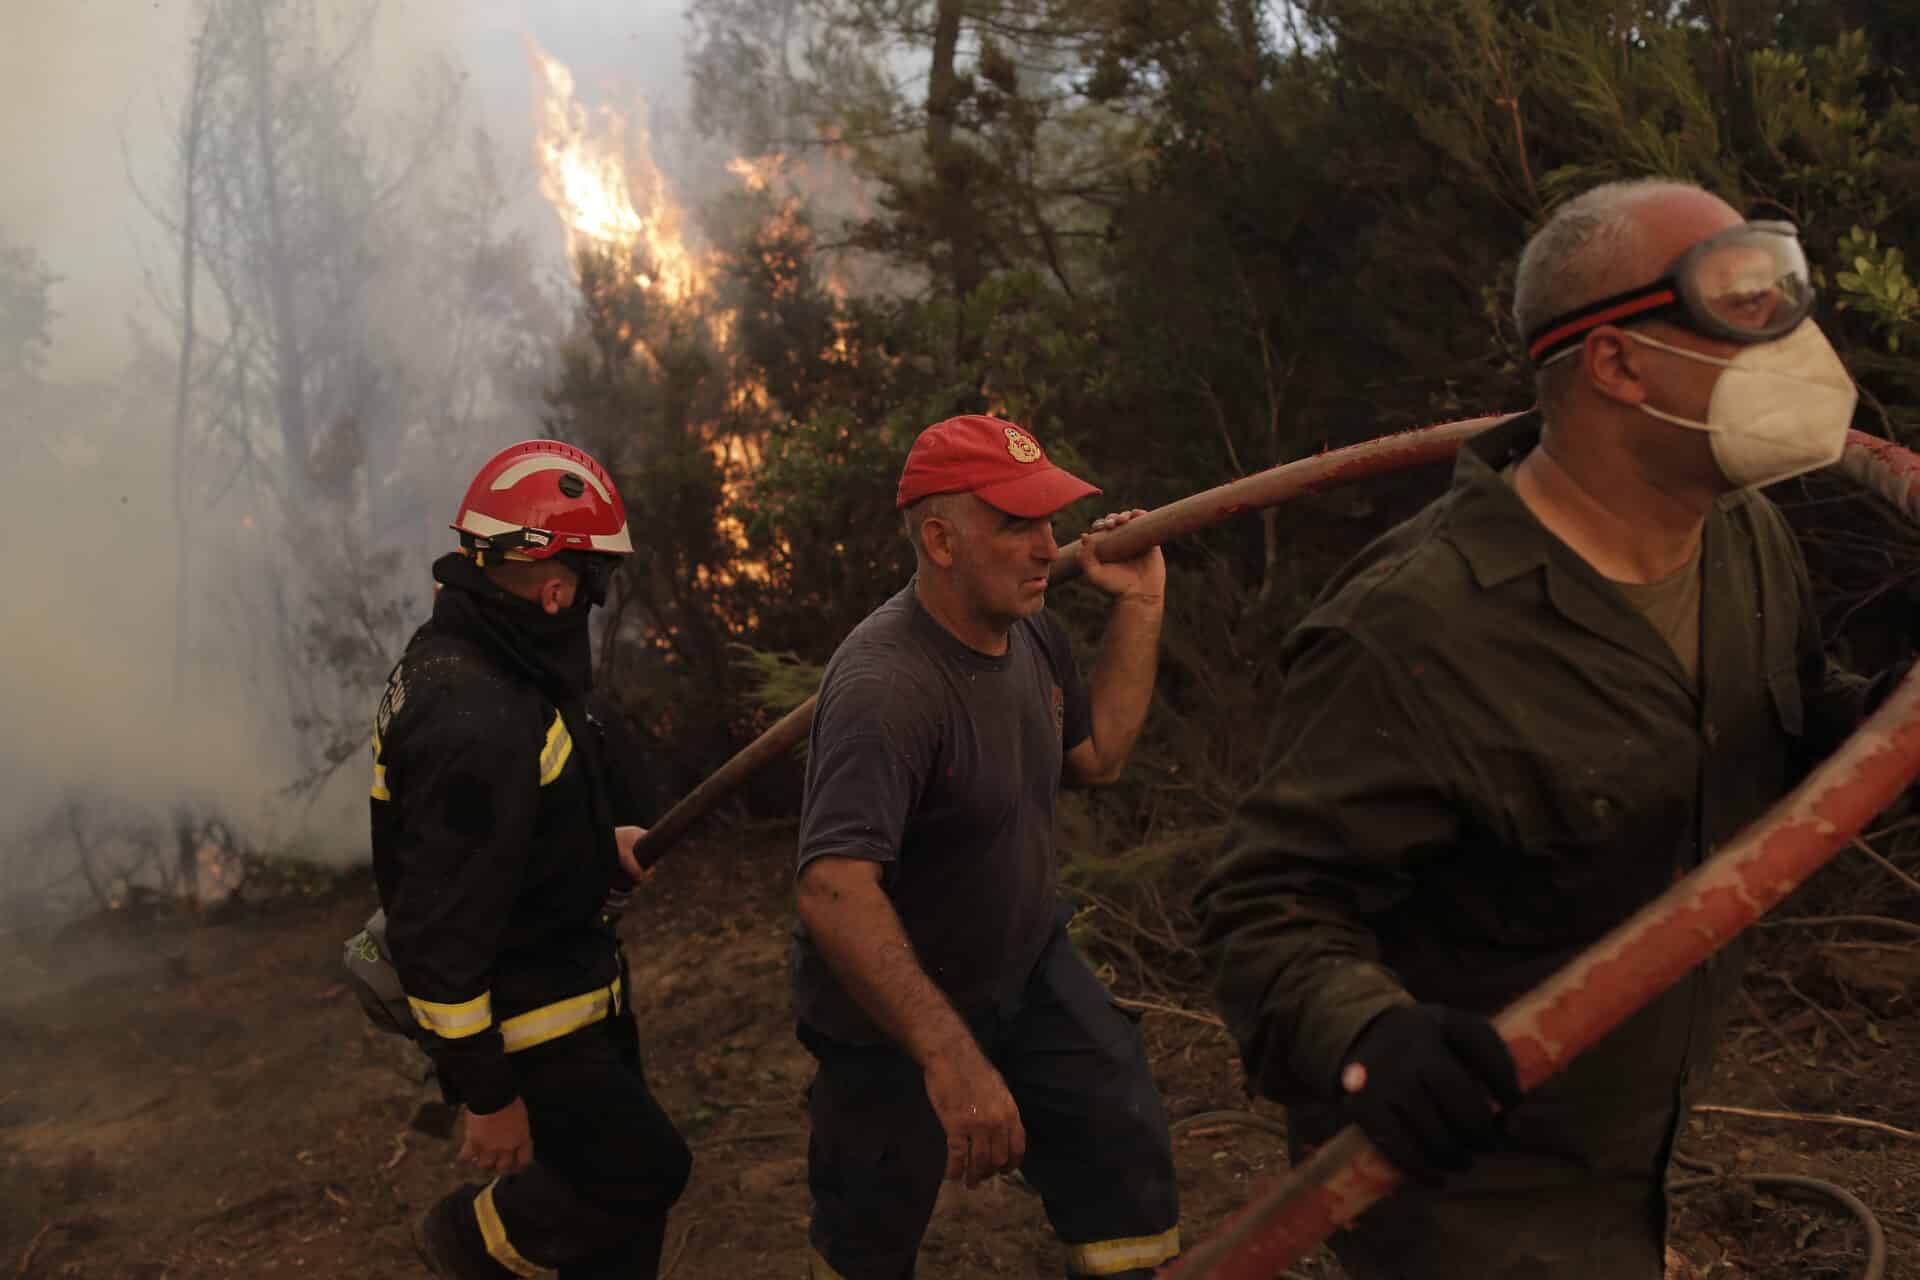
<point x="597" y="171"/>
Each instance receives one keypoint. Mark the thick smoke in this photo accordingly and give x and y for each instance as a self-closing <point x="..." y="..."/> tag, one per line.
<point x="95" y="701"/>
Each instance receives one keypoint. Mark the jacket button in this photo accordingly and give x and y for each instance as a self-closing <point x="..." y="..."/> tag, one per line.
<point x="1712" y="735"/>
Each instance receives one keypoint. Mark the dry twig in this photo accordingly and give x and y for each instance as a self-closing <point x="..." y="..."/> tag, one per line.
<point x="1760" y="1016"/>
<point x="1810" y="1117"/>
<point x="1818" y="1008"/>
<point x="1890" y="869"/>
<point x="1884" y="922"/>
<point x="1150" y="1006"/>
<point x="33" y="1245"/>
<point x="686" y="1234"/>
<point x="765" y="1136"/>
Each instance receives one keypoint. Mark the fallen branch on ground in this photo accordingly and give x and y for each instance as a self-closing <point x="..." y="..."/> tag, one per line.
<point x="1810" y="1117"/>
<point x="673" y="1262"/>
<point x="765" y="1136"/>
<point x="1890" y="869"/>
<point x="1818" y="1008"/>
<point x="33" y="1245"/>
<point x="1884" y="922"/>
<point x="1760" y="1016"/>
<point x="1172" y="1010"/>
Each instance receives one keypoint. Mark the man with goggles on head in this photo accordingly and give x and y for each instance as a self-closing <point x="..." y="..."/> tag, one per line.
<point x="1517" y="719"/>
<point x="1785" y="401"/>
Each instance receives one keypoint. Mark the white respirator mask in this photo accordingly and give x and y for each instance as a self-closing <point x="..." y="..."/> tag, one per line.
<point x="1781" y="409"/>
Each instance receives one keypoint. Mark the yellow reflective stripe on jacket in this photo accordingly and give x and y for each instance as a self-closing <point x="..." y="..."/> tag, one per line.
<point x="562" y="1017"/>
<point x="1109" y="1257"/>
<point x="379" y="791"/>
<point x="818" y="1268"/>
<point x="494" y="1232"/>
<point x="454" y="1021"/>
<point x="553" y="756"/>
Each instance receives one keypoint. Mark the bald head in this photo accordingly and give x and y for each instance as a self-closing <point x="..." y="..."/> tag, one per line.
<point x="1605" y="241"/>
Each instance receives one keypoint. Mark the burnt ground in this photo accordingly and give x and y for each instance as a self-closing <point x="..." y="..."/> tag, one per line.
<point x="186" y="1101"/>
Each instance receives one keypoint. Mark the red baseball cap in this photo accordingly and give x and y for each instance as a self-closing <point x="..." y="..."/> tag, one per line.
<point x="993" y="460"/>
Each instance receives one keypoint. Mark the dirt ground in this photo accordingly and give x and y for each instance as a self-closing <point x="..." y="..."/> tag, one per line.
<point x="198" y="1101"/>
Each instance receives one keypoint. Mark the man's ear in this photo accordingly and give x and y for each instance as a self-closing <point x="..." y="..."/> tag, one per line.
<point x="939" y="537"/>
<point x="553" y="593"/>
<point x="1611" y="361"/>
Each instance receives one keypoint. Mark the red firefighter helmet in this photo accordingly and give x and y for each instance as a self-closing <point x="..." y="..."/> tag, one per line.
<point x="538" y="498"/>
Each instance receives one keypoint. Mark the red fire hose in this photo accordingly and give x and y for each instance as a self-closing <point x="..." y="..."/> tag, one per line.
<point x="1256" y="492"/>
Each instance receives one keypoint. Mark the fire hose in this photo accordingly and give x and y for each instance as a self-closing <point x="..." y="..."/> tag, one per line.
<point x="1549" y="1026"/>
<point x="1256" y="492"/>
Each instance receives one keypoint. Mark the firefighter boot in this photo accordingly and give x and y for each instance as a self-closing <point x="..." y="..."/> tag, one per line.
<point x="447" y="1238"/>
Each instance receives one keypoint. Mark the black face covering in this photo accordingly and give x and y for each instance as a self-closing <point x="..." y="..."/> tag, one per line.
<point x="595" y="572"/>
<point x="553" y="648"/>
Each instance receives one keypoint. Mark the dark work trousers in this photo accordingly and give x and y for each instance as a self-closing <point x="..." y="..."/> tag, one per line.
<point x="1097" y="1145"/>
<point x="607" y="1165"/>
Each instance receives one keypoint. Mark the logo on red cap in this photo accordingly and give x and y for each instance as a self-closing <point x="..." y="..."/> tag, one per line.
<point x="1022" y="446"/>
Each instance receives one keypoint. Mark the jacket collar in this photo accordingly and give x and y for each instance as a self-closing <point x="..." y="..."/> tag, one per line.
<point x="1501" y="539"/>
<point x="1491" y="527"/>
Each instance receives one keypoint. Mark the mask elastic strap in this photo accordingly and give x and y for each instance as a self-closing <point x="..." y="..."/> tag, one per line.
<point x="1644" y="340"/>
<point x="1676" y="419"/>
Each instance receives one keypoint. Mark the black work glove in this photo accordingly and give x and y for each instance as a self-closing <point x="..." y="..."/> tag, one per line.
<point x="1431" y="1078"/>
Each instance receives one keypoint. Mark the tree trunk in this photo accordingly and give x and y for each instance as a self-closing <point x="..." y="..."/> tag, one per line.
<point x="190" y="140"/>
<point x="289" y="380"/>
<point x="951" y="201"/>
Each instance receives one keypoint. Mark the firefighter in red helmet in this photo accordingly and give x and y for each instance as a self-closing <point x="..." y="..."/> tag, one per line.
<point x="497" y="837"/>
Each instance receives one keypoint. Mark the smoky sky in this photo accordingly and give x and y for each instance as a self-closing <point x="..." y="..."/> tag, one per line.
<point x="89" y="90"/>
<point x="89" y="84"/>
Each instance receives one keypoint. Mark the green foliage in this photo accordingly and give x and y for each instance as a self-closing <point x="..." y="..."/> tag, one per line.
<point x="1193" y="239"/>
<point x="1877" y="283"/>
<point x="781" y="681"/>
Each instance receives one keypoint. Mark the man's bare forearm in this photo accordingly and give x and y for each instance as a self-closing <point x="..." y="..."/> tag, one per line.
<point x="1122" y="685"/>
<point x="853" y="923"/>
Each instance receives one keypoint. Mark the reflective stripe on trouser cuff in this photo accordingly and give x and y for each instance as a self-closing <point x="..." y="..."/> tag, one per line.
<point x="562" y="1017"/>
<point x="1110" y="1257"/>
<point x="495" y="1234"/>
<point x="553" y="756"/>
<point x="818" y="1268"/>
<point x="454" y="1021"/>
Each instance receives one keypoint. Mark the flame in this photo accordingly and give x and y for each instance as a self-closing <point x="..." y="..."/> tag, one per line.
<point x="757" y="172"/>
<point x="605" y="203"/>
<point x="597" y="171"/>
<point x="219" y="871"/>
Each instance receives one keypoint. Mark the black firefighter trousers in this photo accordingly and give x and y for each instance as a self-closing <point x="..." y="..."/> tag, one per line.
<point x="607" y="1165"/>
<point x="1098" y="1149"/>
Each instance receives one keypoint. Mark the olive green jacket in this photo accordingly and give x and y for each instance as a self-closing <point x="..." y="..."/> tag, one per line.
<point x="1483" y="758"/>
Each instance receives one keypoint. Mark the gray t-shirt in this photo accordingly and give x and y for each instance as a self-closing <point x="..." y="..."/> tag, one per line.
<point x="945" y="764"/>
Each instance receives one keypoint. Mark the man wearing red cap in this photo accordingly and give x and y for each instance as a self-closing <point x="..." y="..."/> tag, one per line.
<point x="958" y="1034"/>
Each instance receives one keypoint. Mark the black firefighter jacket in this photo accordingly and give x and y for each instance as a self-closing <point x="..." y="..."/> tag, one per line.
<point x="1482" y="759"/>
<point x="493" y="850"/>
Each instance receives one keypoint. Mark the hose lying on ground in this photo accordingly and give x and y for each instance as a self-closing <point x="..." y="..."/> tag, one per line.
<point x="1714" y="1176"/>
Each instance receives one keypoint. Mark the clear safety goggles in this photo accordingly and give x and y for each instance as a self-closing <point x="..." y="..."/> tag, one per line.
<point x="1746" y="284"/>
